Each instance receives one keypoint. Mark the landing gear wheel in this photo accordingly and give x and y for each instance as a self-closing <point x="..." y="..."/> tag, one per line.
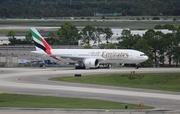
<point x="137" y="66"/>
<point x="80" y="67"/>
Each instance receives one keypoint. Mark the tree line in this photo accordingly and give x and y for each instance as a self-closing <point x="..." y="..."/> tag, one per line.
<point x="67" y="34"/>
<point x="81" y="8"/>
<point x="159" y="47"/>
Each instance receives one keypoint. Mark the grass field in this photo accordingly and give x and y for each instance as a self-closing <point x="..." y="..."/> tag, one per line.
<point x="133" y="25"/>
<point x="31" y="101"/>
<point x="26" y="31"/>
<point x="16" y="31"/>
<point x="118" y="24"/>
<point x="156" y="81"/>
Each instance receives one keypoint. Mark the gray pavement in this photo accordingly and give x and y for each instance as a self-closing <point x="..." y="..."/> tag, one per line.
<point x="35" y="81"/>
<point x="72" y="111"/>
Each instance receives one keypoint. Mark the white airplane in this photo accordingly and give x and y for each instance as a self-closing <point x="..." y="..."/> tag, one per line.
<point x="87" y="58"/>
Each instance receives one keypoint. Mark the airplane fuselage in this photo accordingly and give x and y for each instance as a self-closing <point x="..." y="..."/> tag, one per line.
<point x="103" y="55"/>
<point x="86" y="57"/>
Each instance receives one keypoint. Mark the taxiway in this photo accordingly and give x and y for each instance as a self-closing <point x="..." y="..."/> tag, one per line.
<point x="35" y="81"/>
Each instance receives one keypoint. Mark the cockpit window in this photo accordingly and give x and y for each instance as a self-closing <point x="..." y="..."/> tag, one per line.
<point x="142" y="54"/>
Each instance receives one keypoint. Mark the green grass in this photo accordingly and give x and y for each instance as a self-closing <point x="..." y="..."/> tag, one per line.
<point x="16" y="31"/>
<point x="156" y="81"/>
<point x="131" y="25"/>
<point x="134" y="25"/>
<point x="26" y="31"/>
<point x="31" y="101"/>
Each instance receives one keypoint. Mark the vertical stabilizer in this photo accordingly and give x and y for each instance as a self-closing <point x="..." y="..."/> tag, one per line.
<point x="39" y="42"/>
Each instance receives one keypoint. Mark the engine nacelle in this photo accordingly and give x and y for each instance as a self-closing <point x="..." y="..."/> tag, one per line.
<point x="91" y="62"/>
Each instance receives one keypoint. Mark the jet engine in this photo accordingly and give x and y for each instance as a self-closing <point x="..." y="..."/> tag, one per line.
<point x="91" y="62"/>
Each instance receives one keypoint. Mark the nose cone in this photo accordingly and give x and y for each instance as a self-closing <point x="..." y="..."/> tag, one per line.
<point x="145" y="58"/>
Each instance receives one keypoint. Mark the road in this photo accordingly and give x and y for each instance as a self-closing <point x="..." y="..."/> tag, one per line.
<point x="35" y="81"/>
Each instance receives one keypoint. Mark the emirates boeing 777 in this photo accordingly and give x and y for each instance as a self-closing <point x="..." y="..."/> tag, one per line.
<point x="87" y="58"/>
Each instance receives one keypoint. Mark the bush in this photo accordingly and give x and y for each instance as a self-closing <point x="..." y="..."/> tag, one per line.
<point x="87" y="47"/>
<point x="155" y="18"/>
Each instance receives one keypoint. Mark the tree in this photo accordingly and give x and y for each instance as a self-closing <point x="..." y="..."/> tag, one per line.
<point x="68" y="34"/>
<point x="150" y="36"/>
<point x="11" y="37"/>
<point x="158" y="27"/>
<point x="162" y="47"/>
<point x="108" y="46"/>
<point x="28" y="38"/>
<point x="53" y="39"/>
<point x="12" y="41"/>
<point x="143" y="46"/>
<point x="126" y="34"/>
<point x="128" y="40"/>
<point x="102" y="46"/>
<point x="177" y="34"/>
<point x="87" y="47"/>
<point x="98" y="32"/>
<point x="62" y="8"/>
<point x="108" y="34"/>
<point x="51" y="35"/>
<point x="88" y="34"/>
<point x="171" y="44"/>
<point x="176" y="56"/>
<point x="11" y="34"/>
<point x="111" y="46"/>
<point x="168" y="26"/>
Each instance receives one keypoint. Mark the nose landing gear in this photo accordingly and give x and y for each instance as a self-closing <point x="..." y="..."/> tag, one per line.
<point x="137" y="66"/>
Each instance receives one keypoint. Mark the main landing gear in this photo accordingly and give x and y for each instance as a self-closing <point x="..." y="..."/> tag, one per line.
<point x="80" y="65"/>
<point x="104" y="65"/>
